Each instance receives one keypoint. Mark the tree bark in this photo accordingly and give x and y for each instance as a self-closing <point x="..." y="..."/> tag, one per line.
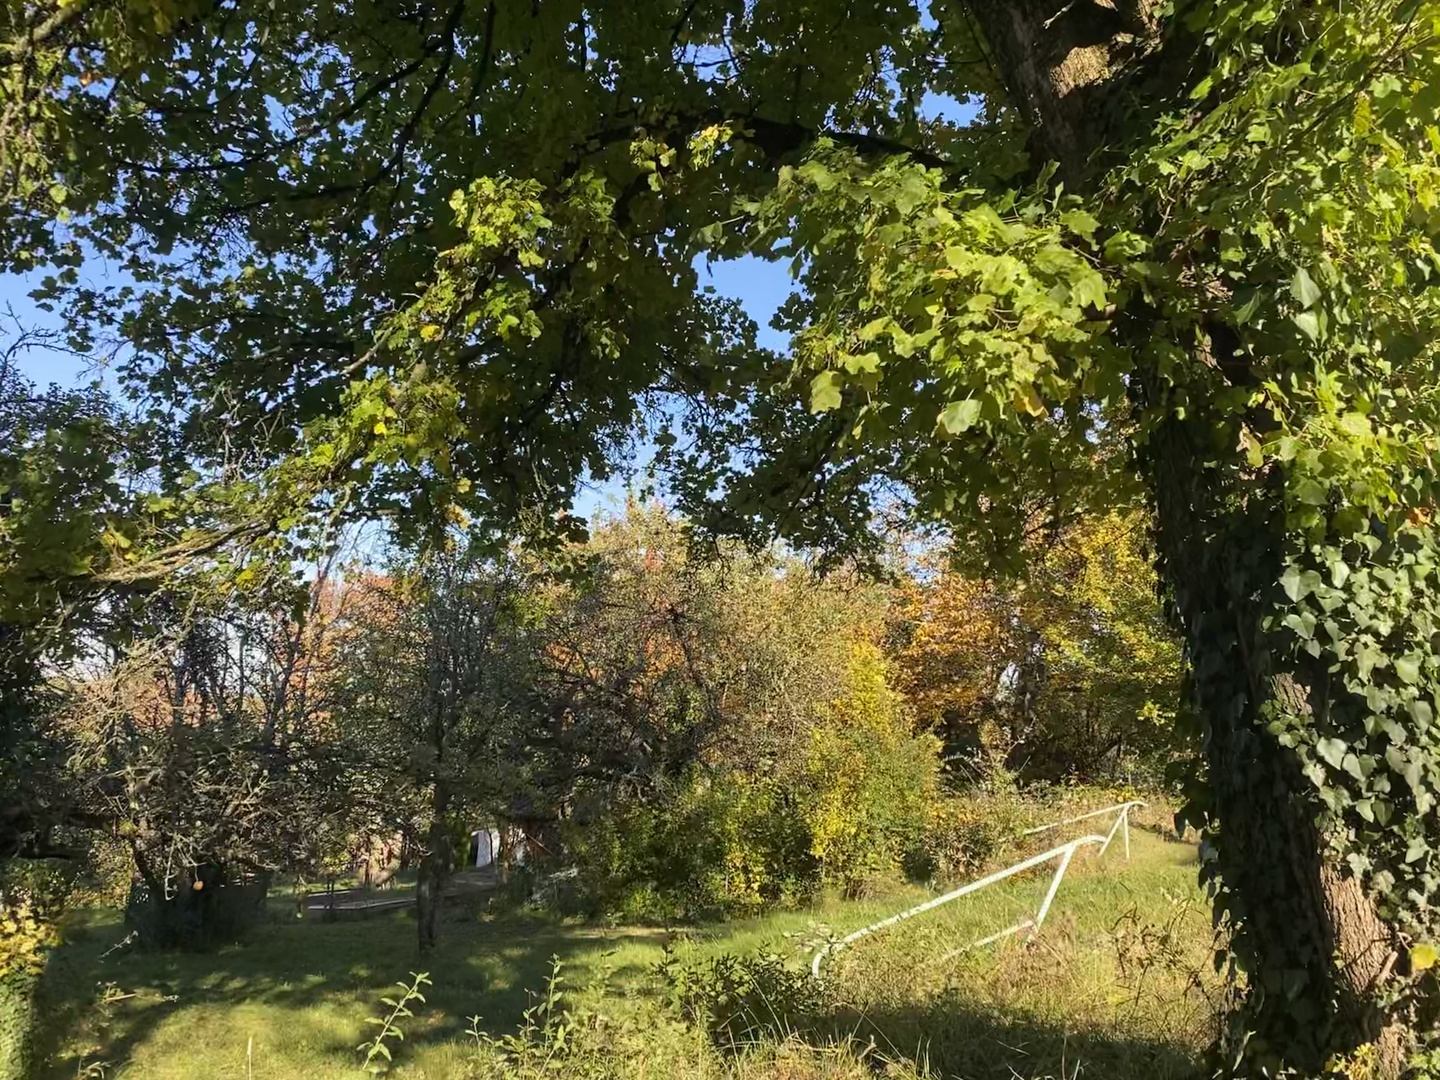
<point x="434" y="871"/>
<point x="1057" y="60"/>
<point x="1315" y="946"/>
<point x="1313" y="943"/>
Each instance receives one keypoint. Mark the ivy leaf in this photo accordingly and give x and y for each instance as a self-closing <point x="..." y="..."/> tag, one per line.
<point x="1247" y="304"/>
<point x="1332" y="751"/>
<point x="1309" y="324"/>
<point x="1423" y="714"/>
<point x="1290" y="582"/>
<point x="1304" y="289"/>
<point x="1408" y="668"/>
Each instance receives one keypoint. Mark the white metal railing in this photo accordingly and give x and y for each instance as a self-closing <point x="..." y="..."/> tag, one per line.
<point x="1065" y="852"/>
<point x="1122" y="822"/>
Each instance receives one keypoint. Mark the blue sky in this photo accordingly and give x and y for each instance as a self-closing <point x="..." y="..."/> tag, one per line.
<point x="760" y="286"/>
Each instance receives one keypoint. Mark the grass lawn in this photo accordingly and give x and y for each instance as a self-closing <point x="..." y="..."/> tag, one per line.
<point x="1115" y="987"/>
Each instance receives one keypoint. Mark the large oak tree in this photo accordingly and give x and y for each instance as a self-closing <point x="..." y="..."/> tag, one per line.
<point x="433" y="254"/>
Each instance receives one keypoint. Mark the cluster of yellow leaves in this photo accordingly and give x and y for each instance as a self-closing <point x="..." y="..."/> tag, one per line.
<point x="24" y="937"/>
<point x="873" y="778"/>
<point x="1083" y="630"/>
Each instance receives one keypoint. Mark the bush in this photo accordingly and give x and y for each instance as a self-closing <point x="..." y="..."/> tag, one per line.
<point x="719" y="846"/>
<point x="201" y="911"/>
<point x="742" y="1000"/>
<point x="968" y="832"/>
<point x="848" y="809"/>
<point x="870" y="781"/>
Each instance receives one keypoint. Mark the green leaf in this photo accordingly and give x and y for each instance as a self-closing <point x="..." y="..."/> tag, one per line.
<point x="825" y="391"/>
<point x="1304" y="289"/>
<point x="1332" y="751"/>
<point x="874" y="328"/>
<point x="960" y="416"/>
<point x="1408" y="668"/>
<point x="1290" y="582"/>
<point x="1080" y="222"/>
<point x="1309" y="324"/>
<point x="1124" y="246"/>
<point x="1423" y="714"/>
<point x="1247" y="304"/>
<point x="1310" y="491"/>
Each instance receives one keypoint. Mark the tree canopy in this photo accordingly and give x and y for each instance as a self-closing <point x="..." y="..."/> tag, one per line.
<point x="413" y="260"/>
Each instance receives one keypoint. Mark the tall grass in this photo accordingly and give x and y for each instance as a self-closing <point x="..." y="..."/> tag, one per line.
<point x="1117" y="985"/>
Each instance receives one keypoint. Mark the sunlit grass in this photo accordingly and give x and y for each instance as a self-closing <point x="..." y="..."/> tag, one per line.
<point x="1114" y="985"/>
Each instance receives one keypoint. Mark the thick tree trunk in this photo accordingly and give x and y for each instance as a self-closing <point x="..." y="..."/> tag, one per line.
<point x="1315" y="947"/>
<point x="1316" y="951"/>
<point x="434" y="871"/>
<point x="1058" y="59"/>
<point x="17" y="1021"/>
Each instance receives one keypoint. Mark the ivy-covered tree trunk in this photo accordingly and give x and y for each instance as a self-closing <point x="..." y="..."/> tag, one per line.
<point x="32" y="895"/>
<point x="1318" y="946"/>
<point x="1314" y="946"/>
<point x="17" y="1020"/>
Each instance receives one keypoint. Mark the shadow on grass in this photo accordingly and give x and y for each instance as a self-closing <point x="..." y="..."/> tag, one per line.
<point x="954" y="1039"/>
<point x="329" y="976"/>
<point x="319" y="981"/>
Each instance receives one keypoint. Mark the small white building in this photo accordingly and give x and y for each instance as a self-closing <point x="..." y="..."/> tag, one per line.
<point x="484" y="847"/>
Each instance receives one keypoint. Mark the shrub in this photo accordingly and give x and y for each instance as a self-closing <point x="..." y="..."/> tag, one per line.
<point x="742" y="1000"/>
<point x="722" y="844"/>
<point x="849" y="810"/>
<point x="870" y="780"/>
<point x="967" y="832"/>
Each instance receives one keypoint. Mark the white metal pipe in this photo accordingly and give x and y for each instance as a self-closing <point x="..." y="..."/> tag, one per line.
<point x="1083" y="817"/>
<point x="1055" y="886"/>
<point x="1023" y="924"/>
<point x="1066" y="849"/>
<point x="1114" y="829"/>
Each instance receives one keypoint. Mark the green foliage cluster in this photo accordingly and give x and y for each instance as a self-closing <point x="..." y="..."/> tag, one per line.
<point x="740" y="1000"/>
<point x="722" y="845"/>
<point x="408" y="262"/>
